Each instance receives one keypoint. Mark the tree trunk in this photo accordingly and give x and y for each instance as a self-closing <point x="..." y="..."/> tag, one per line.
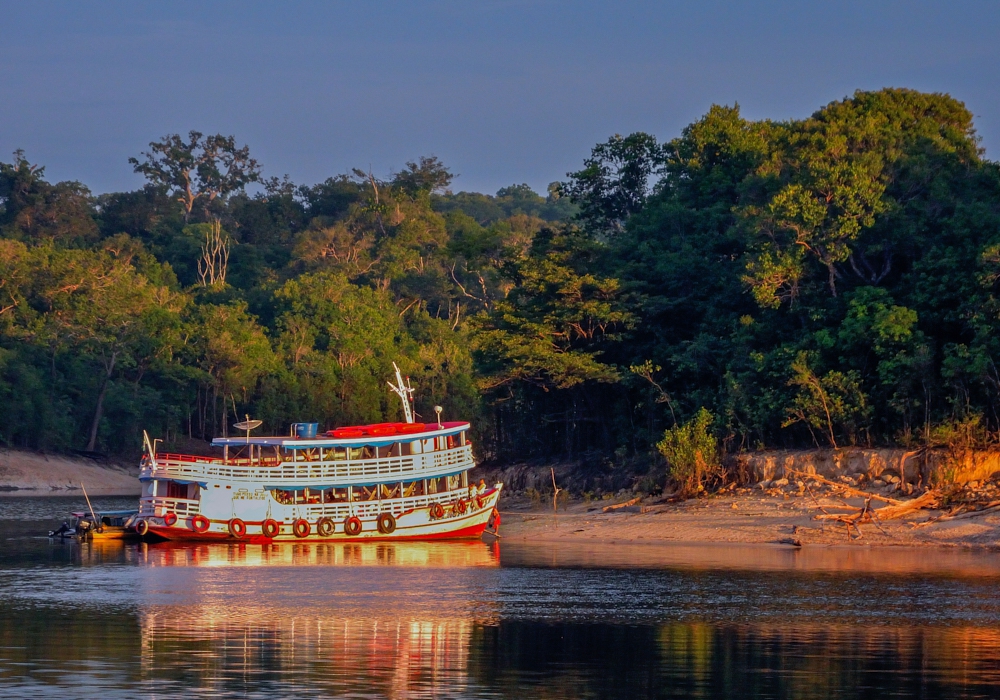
<point x="99" y="409"/>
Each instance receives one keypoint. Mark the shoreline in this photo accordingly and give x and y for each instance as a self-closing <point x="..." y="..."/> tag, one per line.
<point x="31" y="474"/>
<point x="742" y="518"/>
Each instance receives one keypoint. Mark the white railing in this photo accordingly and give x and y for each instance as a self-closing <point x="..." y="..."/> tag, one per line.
<point x="370" y="509"/>
<point x="157" y="506"/>
<point x="325" y="473"/>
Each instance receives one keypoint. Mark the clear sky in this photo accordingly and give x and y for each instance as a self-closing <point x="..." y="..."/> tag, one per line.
<point x="503" y="92"/>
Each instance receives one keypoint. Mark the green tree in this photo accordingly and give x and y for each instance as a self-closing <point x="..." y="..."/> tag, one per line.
<point x="615" y="181"/>
<point x="206" y="168"/>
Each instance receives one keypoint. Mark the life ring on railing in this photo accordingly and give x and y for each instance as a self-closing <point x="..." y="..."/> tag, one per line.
<point x="169" y="519"/>
<point x="386" y="523"/>
<point x="324" y="527"/>
<point x="461" y="506"/>
<point x="237" y="528"/>
<point x="480" y="503"/>
<point x="142" y="527"/>
<point x="200" y="523"/>
<point x="270" y="528"/>
<point x="352" y="526"/>
<point x="301" y="528"/>
<point x="437" y="510"/>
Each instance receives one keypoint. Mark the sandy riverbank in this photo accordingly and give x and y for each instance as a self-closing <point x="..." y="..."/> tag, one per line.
<point x="745" y="517"/>
<point x="33" y="474"/>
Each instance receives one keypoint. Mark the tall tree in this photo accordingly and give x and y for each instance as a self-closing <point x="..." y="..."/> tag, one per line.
<point x="205" y="168"/>
<point x="615" y="181"/>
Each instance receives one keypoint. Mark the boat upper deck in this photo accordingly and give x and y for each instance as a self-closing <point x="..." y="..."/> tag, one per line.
<point x="322" y="462"/>
<point x="328" y="441"/>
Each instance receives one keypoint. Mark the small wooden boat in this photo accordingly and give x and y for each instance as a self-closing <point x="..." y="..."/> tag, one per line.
<point x="109" y="525"/>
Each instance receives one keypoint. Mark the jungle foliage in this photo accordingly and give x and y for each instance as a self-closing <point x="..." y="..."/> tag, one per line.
<point x="833" y="280"/>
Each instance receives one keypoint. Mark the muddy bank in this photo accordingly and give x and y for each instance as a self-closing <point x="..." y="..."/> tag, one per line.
<point x="33" y="474"/>
<point x="741" y="517"/>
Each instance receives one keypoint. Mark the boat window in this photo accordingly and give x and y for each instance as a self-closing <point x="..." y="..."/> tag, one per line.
<point x="413" y="488"/>
<point x="454" y="482"/>
<point x="335" y="495"/>
<point x="175" y="490"/>
<point x="436" y="485"/>
<point x="282" y="497"/>
<point x="364" y="493"/>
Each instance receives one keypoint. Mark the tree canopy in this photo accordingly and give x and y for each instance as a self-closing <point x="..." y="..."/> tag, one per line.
<point x="830" y="280"/>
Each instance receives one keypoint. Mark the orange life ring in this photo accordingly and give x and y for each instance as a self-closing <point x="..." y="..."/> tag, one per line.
<point x="352" y="526"/>
<point x="270" y="528"/>
<point x="142" y="527"/>
<point x="480" y="502"/>
<point x="200" y="523"/>
<point x="301" y="528"/>
<point x="237" y="528"/>
<point x="169" y="519"/>
<point x="386" y="523"/>
<point x="324" y="527"/>
<point x="461" y="506"/>
<point x="437" y="510"/>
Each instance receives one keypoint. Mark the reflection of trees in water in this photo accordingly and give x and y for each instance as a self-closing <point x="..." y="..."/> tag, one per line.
<point x="60" y="645"/>
<point x="208" y="649"/>
<point x="705" y="660"/>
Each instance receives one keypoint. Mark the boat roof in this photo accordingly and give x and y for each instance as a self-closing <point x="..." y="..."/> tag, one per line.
<point x="294" y="443"/>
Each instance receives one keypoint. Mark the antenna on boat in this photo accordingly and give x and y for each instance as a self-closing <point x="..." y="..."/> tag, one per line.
<point x="405" y="392"/>
<point x="247" y="425"/>
<point x="150" y="449"/>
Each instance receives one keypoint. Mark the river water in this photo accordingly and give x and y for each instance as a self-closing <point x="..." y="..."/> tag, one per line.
<point x="478" y="620"/>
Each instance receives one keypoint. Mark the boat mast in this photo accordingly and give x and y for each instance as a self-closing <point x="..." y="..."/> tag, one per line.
<point x="404" y="391"/>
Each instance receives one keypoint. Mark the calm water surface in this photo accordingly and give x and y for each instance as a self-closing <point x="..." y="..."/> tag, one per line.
<point x="472" y="620"/>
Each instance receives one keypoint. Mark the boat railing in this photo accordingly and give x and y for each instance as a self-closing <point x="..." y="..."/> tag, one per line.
<point x="158" y="506"/>
<point x="295" y="473"/>
<point x="370" y="509"/>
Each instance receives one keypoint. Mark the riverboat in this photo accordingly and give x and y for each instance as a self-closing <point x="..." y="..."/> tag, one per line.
<point x="388" y="481"/>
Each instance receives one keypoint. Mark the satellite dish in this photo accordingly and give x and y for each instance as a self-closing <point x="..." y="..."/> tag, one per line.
<point x="248" y="425"/>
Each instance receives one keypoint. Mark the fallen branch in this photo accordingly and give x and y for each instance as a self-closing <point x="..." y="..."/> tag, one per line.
<point x="962" y="514"/>
<point x="621" y="505"/>
<point x="890" y="512"/>
<point x="848" y="489"/>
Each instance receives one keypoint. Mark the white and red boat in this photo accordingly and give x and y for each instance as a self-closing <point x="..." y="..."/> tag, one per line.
<point x="389" y="481"/>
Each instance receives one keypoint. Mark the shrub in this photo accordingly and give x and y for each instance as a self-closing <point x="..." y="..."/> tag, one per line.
<point x="691" y="451"/>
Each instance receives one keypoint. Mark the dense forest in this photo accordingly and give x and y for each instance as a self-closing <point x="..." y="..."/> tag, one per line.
<point x="833" y="280"/>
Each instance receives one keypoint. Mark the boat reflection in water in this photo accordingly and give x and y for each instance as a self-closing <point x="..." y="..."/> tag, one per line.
<point x="391" y="619"/>
<point x="460" y="554"/>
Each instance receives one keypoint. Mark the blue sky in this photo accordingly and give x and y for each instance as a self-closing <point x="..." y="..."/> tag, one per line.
<point x="503" y="92"/>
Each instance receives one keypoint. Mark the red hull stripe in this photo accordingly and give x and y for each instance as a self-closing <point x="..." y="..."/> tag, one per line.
<point x="172" y="533"/>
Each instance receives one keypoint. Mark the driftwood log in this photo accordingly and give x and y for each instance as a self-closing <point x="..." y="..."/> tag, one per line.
<point x="616" y="506"/>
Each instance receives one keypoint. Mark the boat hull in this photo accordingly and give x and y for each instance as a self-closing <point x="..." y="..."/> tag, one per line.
<point x="414" y="524"/>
